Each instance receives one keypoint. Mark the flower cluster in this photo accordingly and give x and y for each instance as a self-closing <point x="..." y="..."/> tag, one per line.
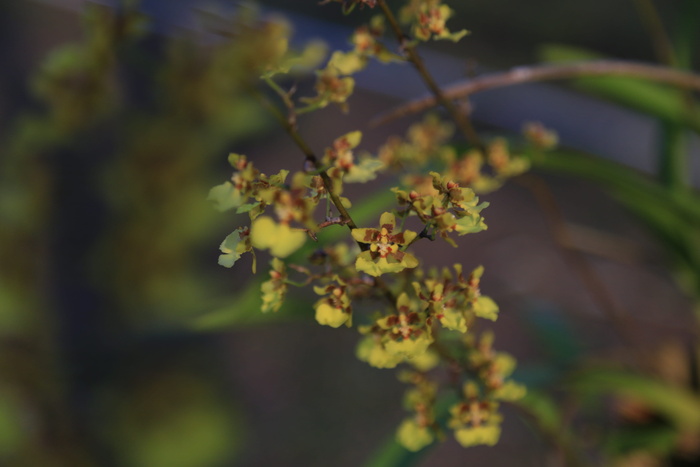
<point x="428" y="20"/>
<point x="334" y="83"/>
<point x="417" y="431"/>
<point x="443" y="206"/>
<point x="427" y="319"/>
<point x="396" y="337"/>
<point x="425" y="141"/>
<point x="251" y="191"/>
<point x="343" y="164"/>
<point x="274" y="290"/>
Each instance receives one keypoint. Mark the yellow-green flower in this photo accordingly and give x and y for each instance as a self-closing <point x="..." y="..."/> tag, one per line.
<point x="331" y="87"/>
<point x="281" y="239"/>
<point x="429" y="19"/>
<point x="234" y="245"/>
<point x="405" y="333"/>
<point x="384" y="254"/>
<point x="475" y="422"/>
<point x="275" y="289"/>
<point x="478" y="435"/>
<point x="441" y="304"/>
<point x="334" y="309"/>
<point x="234" y="193"/>
<point x="413" y="436"/>
<point x="371" y="350"/>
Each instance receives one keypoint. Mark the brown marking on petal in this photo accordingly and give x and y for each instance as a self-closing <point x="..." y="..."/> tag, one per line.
<point x="398" y="238"/>
<point x="275" y="275"/>
<point x="388" y="227"/>
<point x="399" y="255"/>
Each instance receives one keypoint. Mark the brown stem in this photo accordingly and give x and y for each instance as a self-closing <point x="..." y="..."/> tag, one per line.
<point x="663" y="47"/>
<point x="290" y="127"/>
<point x="536" y="73"/>
<point x="461" y="119"/>
<point x="386" y="291"/>
<point x="558" y="438"/>
<point x="332" y="221"/>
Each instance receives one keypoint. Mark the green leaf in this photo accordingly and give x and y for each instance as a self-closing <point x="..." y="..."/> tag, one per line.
<point x="546" y="416"/>
<point x="554" y="335"/>
<point x="543" y="410"/>
<point x="674" y="217"/>
<point x="658" y="439"/>
<point x="661" y="101"/>
<point x="244" y="310"/>
<point x="677" y="404"/>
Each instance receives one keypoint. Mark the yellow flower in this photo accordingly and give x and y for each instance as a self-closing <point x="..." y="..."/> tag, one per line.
<point x="412" y="436"/>
<point x="384" y="254"/>
<point x="333" y="310"/>
<point x="275" y="289"/>
<point x="281" y="239"/>
<point x="370" y="350"/>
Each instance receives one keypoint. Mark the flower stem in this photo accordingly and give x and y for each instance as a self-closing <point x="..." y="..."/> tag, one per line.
<point x="311" y="158"/>
<point x="529" y="74"/>
<point x="460" y="118"/>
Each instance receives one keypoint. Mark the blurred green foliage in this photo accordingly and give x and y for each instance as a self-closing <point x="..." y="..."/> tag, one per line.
<point x="152" y="117"/>
<point x="130" y="123"/>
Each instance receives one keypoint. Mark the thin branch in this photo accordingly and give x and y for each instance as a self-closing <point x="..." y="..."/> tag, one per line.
<point x="595" y="286"/>
<point x="663" y="47"/>
<point x="461" y="119"/>
<point x="529" y="74"/>
<point x="290" y="127"/>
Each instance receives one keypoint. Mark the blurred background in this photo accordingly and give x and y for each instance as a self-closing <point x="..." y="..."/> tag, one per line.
<point x="123" y="343"/>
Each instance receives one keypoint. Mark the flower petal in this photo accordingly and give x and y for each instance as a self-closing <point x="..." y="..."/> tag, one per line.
<point x="281" y="239"/>
<point x="330" y="315"/>
<point x="225" y="197"/>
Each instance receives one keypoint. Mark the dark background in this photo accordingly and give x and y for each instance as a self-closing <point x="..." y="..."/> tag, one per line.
<point x="116" y="375"/>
